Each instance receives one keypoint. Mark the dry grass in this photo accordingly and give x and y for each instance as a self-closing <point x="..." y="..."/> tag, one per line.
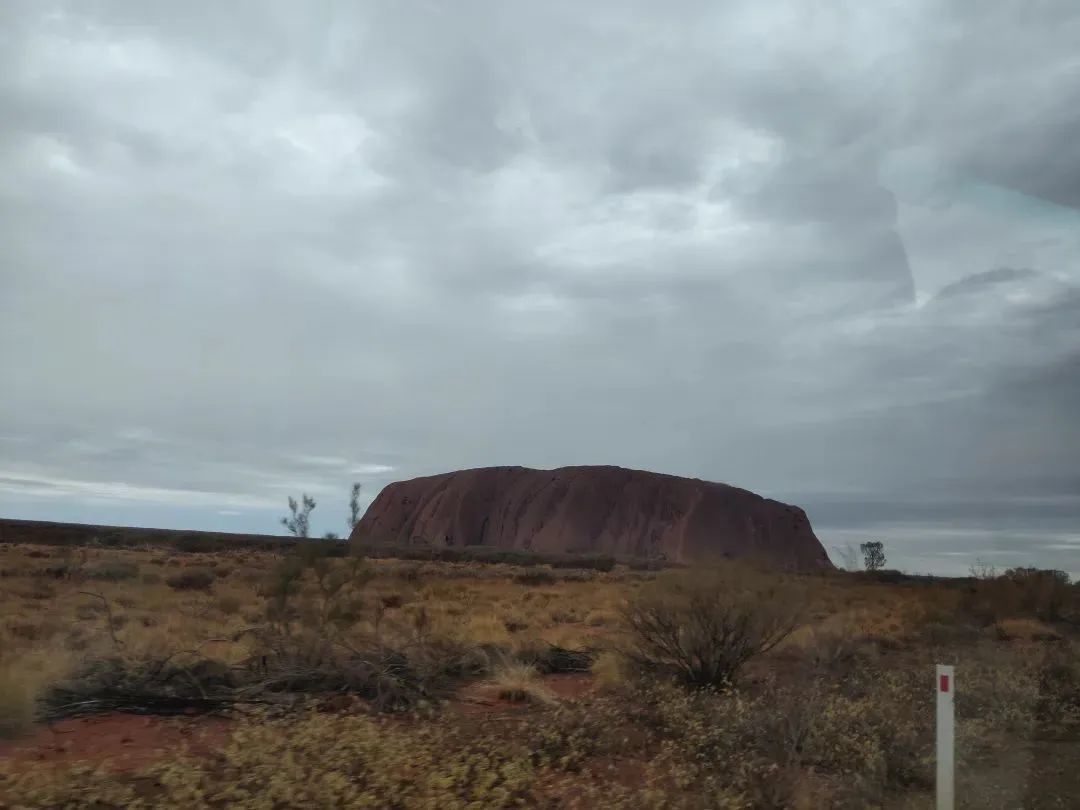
<point x="17" y="696"/>
<point x="837" y="715"/>
<point x="520" y="683"/>
<point x="23" y="679"/>
<point x="610" y="670"/>
<point x="1025" y="630"/>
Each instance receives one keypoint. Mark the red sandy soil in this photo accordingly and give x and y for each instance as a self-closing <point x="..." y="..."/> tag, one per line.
<point x="127" y="742"/>
<point x="123" y="742"/>
<point x="483" y="698"/>
<point x="571" y="685"/>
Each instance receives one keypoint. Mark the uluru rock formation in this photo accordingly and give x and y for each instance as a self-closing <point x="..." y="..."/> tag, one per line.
<point x="610" y="510"/>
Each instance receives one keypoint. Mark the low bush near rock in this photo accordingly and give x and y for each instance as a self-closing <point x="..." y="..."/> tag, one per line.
<point x="534" y="576"/>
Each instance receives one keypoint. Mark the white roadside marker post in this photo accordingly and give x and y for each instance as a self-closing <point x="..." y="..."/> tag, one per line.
<point x="945" y="686"/>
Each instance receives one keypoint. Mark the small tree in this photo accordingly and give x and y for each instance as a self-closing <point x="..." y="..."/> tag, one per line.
<point x="300" y="516"/>
<point x="354" y="506"/>
<point x="873" y="555"/>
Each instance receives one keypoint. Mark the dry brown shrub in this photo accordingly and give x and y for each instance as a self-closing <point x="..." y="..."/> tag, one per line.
<point x="112" y="571"/>
<point x="1047" y="595"/>
<point x="702" y="628"/>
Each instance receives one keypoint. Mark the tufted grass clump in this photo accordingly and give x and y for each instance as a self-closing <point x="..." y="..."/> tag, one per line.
<point x="520" y="683"/>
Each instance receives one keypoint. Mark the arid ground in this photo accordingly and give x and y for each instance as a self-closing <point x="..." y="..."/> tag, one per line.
<point x="152" y="677"/>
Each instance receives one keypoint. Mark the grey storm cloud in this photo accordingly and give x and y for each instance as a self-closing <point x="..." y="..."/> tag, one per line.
<point x="253" y="248"/>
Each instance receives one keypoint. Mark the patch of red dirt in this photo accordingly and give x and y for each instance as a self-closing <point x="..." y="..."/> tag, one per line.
<point x="570" y="685"/>
<point x="483" y="698"/>
<point x="122" y="742"/>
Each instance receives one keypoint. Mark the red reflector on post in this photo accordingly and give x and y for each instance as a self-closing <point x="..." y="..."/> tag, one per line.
<point x="944" y="683"/>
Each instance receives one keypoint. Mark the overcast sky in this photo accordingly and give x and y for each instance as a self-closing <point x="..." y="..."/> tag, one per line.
<point x="828" y="252"/>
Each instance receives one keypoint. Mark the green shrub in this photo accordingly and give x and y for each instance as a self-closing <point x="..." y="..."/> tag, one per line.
<point x="113" y="571"/>
<point x="1058" y="705"/>
<point x="565" y="616"/>
<point x="191" y="579"/>
<point x="550" y="658"/>
<point x="576" y="575"/>
<point x="38" y="591"/>
<point x="1043" y="593"/>
<point x="61" y="571"/>
<point x="229" y="605"/>
<point x="711" y="747"/>
<point x="410" y="572"/>
<point x="16" y="702"/>
<point x="534" y="576"/>
<point x="882" y="739"/>
<point x="589" y="562"/>
<point x="572" y="734"/>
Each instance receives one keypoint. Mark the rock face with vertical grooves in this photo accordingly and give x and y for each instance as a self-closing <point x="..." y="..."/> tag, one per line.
<point x="608" y="510"/>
